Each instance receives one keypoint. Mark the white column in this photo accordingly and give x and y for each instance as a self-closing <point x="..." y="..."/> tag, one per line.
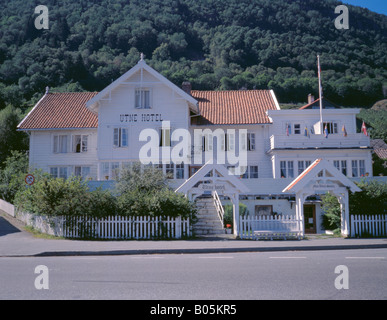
<point x="300" y="211"/>
<point x="235" y="202"/>
<point x="344" y="206"/>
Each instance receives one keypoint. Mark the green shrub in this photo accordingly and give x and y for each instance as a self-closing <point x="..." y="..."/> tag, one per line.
<point x="332" y="213"/>
<point x="60" y="197"/>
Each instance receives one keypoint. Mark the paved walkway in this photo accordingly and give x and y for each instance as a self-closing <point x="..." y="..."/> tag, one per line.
<point x="15" y="241"/>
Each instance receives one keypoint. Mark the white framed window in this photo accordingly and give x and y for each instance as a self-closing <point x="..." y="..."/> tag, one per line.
<point x="169" y="171"/>
<point x="82" y="171"/>
<point x="297" y="128"/>
<point x="228" y="141"/>
<point x="142" y="98"/>
<point x="302" y="165"/>
<point x="341" y="165"/>
<point x="180" y="171"/>
<point x="358" y="168"/>
<point x="80" y="143"/>
<point x="287" y="169"/>
<point x="60" y="143"/>
<point x="331" y="126"/>
<point x="253" y="170"/>
<point x="165" y="137"/>
<point x="207" y="142"/>
<point x="59" y="172"/>
<point x="120" y="137"/>
<point x="250" y="141"/>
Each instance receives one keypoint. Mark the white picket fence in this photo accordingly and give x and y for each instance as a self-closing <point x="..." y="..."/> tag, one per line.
<point x="369" y="226"/>
<point x="272" y="224"/>
<point x="119" y="227"/>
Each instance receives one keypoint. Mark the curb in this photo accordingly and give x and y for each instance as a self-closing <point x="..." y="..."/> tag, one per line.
<point x="198" y="251"/>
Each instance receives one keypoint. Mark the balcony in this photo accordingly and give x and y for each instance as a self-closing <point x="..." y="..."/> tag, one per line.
<point x="317" y="141"/>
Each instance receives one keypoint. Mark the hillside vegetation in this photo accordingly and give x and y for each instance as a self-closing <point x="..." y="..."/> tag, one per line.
<point x="215" y="44"/>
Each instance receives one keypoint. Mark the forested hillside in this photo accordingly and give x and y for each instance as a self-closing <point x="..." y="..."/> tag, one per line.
<point x="216" y="44"/>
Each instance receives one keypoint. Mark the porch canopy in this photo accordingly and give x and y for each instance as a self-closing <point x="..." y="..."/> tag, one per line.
<point x="213" y="178"/>
<point x="319" y="178"/>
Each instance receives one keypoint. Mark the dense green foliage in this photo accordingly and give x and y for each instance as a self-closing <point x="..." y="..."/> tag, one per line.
<point x="215" y="44"/>
<point x="376" y="121"/>
<point x="139" y="192"/>
<point x="12" y="175"/>
<point x="144" y="191"/>
<point x="332" y="214"/>
<point x="372" y="200"/>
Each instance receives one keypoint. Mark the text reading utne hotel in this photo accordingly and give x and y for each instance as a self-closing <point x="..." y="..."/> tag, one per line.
<point x="237" y="144"/>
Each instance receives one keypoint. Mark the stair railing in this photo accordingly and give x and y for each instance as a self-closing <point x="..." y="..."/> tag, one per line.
<point x="218" y="205"/>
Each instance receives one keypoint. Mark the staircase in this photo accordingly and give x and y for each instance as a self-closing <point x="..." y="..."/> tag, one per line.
<point x="208" y="219"/>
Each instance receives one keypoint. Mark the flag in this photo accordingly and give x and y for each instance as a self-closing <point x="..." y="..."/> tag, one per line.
<point x="364" y="129"/>
<point x="344" y="131"/>
<point x="326" y="131"/>
<point x="306" y="132"/>
<point x="287" y="129"/>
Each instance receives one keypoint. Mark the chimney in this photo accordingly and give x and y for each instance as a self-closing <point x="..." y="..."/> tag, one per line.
<point x="187" y="87"/>
<point x="47" y="90"/>
<point x="310" y="98"/>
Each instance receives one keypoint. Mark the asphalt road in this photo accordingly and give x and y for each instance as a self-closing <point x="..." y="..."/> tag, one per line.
<point x="235" y="276"/>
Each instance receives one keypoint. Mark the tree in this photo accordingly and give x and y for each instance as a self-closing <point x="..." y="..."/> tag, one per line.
<point x="10" y="138"/>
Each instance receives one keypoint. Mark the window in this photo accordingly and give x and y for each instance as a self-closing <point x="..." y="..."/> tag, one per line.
<point x="59" y="172"/>
<point x="341" y="165"/>
<point x="83" y="172"/>
<point x="120" y="137"/>
<point x="54" y="172"/>
<point x="245" y="174"/>
<point x="358" y="168"/>
<point x="169" y="170"/>
<point x="253" y="172"/>
<point x="297" y="128"/>
<point x="165" y="137"/>
<point x="142" y="99"/>
<point x="331" y="126"/>
<point x="60" y="144"/>
<point x="180" y="171"/>
<point x="263" y="210"/>
<point x="115" y="170"/>
<point x="302" y="165"/>
<point x="228" y="143"/>
<point x="287" y="169"/>
<point x="80" y="143"/>
<point x="251" y="141"/>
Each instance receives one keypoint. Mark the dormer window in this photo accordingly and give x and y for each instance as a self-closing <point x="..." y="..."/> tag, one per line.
<point x="142" y="98"/>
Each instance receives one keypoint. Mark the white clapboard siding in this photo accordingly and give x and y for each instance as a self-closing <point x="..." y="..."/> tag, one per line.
<point x="120" y="227"/>
<point x="364" y="226"/>
<point x="248" y="224"/>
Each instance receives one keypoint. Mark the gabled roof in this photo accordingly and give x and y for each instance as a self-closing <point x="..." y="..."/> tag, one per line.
<point x="92" y="104"/>
<point x="61" y="111"/>
<point x="219" y="172"/>
<point x="312" y="173"/>
<point x="326" y="104"/>
<point x="234" y="107"/>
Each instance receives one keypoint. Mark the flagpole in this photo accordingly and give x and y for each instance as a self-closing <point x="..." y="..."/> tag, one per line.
<point x="320" y="93"/>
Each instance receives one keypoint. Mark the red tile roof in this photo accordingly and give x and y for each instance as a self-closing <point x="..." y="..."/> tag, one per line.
<point x="61" y="110"/>
<point x="234" y="107"/>
<point x="68" y="110"/>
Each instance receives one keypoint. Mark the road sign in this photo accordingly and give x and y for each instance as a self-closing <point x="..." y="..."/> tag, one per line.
<point x="30" y="179"/>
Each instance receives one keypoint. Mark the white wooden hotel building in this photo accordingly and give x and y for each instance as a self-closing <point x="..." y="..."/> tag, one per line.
<point x="93" y="135"/>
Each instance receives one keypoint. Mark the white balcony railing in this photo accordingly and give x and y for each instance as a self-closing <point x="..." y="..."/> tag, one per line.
<point x="356" y="140"/>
